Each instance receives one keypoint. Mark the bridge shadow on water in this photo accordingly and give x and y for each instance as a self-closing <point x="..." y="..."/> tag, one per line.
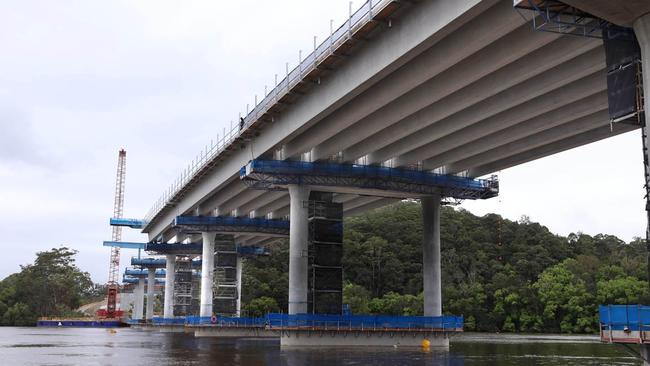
<point x="186" y="350"/>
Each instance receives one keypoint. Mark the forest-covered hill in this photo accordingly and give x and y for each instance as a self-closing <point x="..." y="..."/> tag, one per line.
<point x="501" y="275"/>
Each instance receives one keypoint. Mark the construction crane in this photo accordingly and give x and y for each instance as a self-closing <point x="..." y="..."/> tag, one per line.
<point x="114" y="264"/>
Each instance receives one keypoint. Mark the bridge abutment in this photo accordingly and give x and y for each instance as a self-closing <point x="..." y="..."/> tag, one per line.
<point x="298" y="260"/>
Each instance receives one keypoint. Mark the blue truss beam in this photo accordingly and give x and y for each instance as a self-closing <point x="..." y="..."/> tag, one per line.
<point x="124" y="244"/>
<point x="229" y="224"/>
<point x="132" y="223"/>
<point x="277" y="174"/>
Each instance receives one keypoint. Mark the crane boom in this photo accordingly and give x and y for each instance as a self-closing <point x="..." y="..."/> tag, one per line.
<point x="114" y="264"/>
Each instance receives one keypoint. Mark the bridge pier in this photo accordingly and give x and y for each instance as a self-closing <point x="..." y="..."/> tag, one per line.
<point x="642" y="31"/>
<point x="431" y="255"/>
<point x="170" y="277"/>
<point x="138" y="303"/>
<point x="151" y="285"/>
<point x="239" y="272"/>
<point x="298" y="260"/>
<point x="207" y="273"/>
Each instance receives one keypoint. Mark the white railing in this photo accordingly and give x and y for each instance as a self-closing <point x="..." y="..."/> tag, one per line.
<point x="337" y="37"/>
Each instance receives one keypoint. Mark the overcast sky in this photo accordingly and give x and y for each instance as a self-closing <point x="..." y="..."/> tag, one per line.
<point x="81" y="79"/>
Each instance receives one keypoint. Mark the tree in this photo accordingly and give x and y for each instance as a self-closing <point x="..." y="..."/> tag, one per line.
<point x="261" y="306"/>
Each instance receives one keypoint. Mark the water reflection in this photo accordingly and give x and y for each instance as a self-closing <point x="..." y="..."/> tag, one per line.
<point x="30" y="346"/>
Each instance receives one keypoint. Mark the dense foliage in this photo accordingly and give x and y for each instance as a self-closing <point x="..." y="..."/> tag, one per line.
<point x="51" y="286"/>
<point x="500" y="274"/>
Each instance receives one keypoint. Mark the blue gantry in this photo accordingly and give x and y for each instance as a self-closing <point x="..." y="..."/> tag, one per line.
<point x="277" y="174"/>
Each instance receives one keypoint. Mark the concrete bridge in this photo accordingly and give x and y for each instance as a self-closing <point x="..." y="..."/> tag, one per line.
<point x="445" y="87"/>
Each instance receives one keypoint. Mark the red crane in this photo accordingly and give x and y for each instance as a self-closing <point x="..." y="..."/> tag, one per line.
<point x="114" y="264"/>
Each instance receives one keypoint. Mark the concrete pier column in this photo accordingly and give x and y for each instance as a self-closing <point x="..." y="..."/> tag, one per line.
<point x="139" y="299"/>
<point x="151" y="285"/>
<point x="642" y="31"/>
<point x="431" y="256"/>
<point x="170" y="277"/>
<point x="298" y="236"/>
<point x="207" y="273"/>
<point x="239" y="271"/>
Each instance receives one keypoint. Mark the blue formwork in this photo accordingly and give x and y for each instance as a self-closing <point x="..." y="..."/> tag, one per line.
<point x="143" y="272"/>
<point x="168" y="321"/>
<point x="281" y="172"/>
<point x="225" y="321"/>
<point x="174" y="248"/>
<point x="437" y="323"/>
<point x="624" y="317"/>
<point x="132" y="223"/>
<point x="148" y="262"/>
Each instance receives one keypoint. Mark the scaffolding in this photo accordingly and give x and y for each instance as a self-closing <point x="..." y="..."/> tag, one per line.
<point x="225" y="283"/>
<point x="557" y="17"/>
<point x="325" y="250"/>
<point x="230" y="224"/>
<point x="183" y="287"/>
<point x="277" y="174"/>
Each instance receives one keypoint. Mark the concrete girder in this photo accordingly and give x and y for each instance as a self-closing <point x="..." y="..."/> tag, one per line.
<point x="256" y="204"/>
<point x="576" y="127"/>
<point x="277" y="204"/>
<point x="587" y="66"/>
<point x="511" y="132"/>
<point x="255" y="240"/>
<point x="395" y="141"/>
<point x="381" y="202"/>
<point x="281" y="212"/>
<point x="233" y="188"/>
<point x="240" y="199"/>
<point x="416" y="30"/>
<point x="359" y="201"/>
<point x="508" y="61"/>
<point x="568" y="143"/>
<point x="344" y="197"/>
<point x="480" y="32"/>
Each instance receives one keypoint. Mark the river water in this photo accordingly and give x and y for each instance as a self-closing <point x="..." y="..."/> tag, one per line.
<point x="43" y="346"/>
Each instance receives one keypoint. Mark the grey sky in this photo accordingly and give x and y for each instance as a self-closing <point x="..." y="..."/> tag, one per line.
<point x="80" y="79"/>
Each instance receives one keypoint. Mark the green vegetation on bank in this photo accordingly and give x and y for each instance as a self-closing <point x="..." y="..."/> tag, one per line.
<point x="52" y="286"/>
<point x="500" y="274"/>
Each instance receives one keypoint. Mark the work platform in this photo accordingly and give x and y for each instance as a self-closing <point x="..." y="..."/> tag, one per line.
<point x="624" y="324"/>
<point x="231" y="225"/>
<point x="132" y="223"/>
<point x="333" y="330"/>
<point x="368" y="179"/>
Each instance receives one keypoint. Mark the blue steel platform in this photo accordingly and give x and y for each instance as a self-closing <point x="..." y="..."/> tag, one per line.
<point x="142" y="272"/>
<point x="277" y="174"/>
<point x="133" y="281"/>
<point x="197" y="248"/>
<point x="624" y="323"/>
<point x="132" y="223"/>
<point x="230" y="224"/>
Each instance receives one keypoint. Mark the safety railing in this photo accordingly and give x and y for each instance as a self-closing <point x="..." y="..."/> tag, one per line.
<point x="168" y="321"/>
<point x="337" y="37"/>
<point x="366" y="171"/>
<point x="365" y="322"/>
<point x="224" y="321"/>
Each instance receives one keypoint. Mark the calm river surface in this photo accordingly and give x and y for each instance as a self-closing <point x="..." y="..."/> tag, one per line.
<point x="38" y="346"/>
